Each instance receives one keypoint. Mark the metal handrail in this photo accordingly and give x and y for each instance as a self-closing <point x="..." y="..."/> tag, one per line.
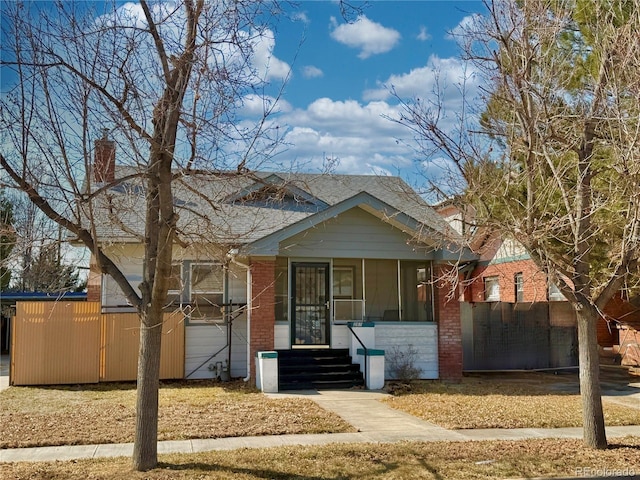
<point x="366" y="353"/>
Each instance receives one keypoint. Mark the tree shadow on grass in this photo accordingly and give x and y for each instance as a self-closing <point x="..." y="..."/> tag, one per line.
<point x="200" y="467"/>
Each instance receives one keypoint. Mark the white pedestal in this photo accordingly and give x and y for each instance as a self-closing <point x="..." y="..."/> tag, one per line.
<point x="375" y="368"/>
<point x="267" y="372"/>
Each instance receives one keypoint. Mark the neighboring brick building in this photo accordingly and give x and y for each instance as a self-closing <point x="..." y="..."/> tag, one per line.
<point x="506" y="273"/>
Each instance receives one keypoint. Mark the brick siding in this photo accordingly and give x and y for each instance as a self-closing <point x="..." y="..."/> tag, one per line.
<point x="535" y="281"/>
<point x="449" y="327"/>
<point x="263" y="274"/>
<point x="94" y="282"/>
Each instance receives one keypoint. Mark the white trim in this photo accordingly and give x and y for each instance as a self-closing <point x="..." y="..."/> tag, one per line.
<point x="364" y="293"/>
<point x="399" y="290"/>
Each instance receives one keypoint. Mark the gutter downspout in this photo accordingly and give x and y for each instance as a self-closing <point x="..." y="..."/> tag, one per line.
<point x="232" y="258"/>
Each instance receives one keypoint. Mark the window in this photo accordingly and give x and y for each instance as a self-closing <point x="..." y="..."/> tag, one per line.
<point x="207" y="291"/>
<point x="518" y="281"/>
<point x="174" y="295"/>
<point x="555" y="295"/>
<point x="416" y="292"/>
<point x="492" y="289"/>
<point x="343" y="282"/>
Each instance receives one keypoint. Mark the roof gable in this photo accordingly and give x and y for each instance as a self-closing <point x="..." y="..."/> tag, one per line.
<point x="274" y="192"/>
<point x="424" y="235"/>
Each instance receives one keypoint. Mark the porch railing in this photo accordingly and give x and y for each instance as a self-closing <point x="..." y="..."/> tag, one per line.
<point x="364" y="348"/>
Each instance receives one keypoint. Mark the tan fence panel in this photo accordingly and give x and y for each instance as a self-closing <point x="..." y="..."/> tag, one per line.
<point x="55" y="343"/>
<point x="120" y="343"/>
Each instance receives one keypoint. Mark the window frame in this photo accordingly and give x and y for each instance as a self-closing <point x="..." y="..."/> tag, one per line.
<point x="518" y="285"/>
<point x="194" y="292"/>
<point x="491" y="296"/>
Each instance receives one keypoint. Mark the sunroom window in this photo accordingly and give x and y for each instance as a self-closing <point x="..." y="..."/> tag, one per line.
<point x="416" y="293"/>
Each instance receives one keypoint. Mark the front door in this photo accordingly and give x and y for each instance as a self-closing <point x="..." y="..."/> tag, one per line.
<point x="310" y="305"/>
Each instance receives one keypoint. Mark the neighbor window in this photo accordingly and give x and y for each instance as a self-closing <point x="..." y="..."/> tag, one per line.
<point x="492" y="289"/>
<point x="555" y="295"/>
<point x="518" y="281"/>
<point x="207" y="291"/>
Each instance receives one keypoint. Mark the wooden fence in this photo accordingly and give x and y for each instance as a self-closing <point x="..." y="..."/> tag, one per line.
<point x="507" y="336"/>
<point x="72" y="342"/>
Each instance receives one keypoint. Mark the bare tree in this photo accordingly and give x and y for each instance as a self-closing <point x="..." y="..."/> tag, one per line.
<point x="40" y="259"/>
<point x="7" y="240"/>
<point x="165" y="79"/>
<point x="552" y="159"/>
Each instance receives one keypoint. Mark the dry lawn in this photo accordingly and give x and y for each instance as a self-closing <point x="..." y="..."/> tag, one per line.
<point x="532" y="400"/>
<point x="105" y="413"/>
<point x="409" y="460"/>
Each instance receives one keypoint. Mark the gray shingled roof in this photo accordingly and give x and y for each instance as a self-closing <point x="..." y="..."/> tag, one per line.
<point x="220" y="208"/>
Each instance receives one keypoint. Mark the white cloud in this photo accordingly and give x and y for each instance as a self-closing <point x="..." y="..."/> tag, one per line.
<point x="468" y="24"/>
<point x="265" y="62"/>
<point x="369" y="37"/>
<point x="355" y="134"/>
<point x="310" y="71"/>
<point x="377" y="170"/>
<point x="256" y="105"/>
<point x="446" y="75"/>
<point x="301" y="17"/>
<point x="423" y="35"/>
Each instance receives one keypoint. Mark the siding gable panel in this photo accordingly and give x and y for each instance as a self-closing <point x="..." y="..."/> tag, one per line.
<point x="354" y="234"/>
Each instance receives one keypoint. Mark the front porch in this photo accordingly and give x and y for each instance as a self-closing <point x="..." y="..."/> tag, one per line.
<point x="402" y="301"/>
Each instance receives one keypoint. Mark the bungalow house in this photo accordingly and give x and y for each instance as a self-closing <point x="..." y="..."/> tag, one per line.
<point x="288" y="261"/>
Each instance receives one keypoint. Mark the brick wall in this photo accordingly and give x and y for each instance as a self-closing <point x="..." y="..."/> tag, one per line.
<point x="104" y="160"/>
<point x="618" y="308"/>
<point x="263" y="274"/>
<point x="94" y="282"/>
<point x="630" y="347"/>
<point x="535" y="281"/>
<point x="449" y="326"/>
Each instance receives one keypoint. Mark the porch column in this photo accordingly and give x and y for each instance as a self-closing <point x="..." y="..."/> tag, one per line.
<point x="449" y="324"/>
<point x="263" y="317"/>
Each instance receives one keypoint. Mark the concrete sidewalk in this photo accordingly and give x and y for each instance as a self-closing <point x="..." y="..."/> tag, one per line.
<point x="374" y="421"/>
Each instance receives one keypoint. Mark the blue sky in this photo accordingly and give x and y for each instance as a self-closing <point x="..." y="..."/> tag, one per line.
<point x="338" y="92"/>
<point x="392" y="38"/>
<point x="339" y="76"/>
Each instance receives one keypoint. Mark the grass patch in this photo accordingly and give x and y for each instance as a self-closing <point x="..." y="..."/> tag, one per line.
<point x="530" y="401"/>
<point x="105" y="413"/>
<point x="450" y="460"/>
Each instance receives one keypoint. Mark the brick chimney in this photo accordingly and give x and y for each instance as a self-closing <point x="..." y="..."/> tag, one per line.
<point x="104" y="164"/>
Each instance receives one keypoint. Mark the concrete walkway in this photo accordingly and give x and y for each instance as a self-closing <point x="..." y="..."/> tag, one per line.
<point x="374" y="421"/>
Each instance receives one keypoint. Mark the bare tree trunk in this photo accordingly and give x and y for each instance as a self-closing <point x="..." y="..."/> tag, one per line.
<point x="593" y="417"/>
<point x="145" y="453"/>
